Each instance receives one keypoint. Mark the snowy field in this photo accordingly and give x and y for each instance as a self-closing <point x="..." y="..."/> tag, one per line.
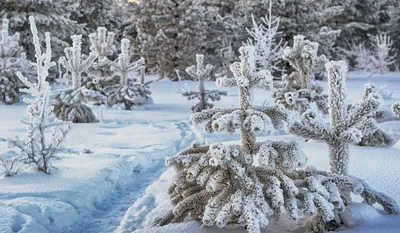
<point x="117" y="181"/>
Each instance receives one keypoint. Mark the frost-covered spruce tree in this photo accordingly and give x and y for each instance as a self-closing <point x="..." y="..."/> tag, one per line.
<point x="348" y="123"/>
<point x="40" y="146"/>
<point x="99" y="13"/>
<point x="201" y="72"/>
<point x="127" y="92"/>
<point x="224" y="184"/>
<point x="298" y="90"/>
<point x="170" y="33"/>
<point x="269" y="50"/>
<point x="70" y="103"/>
<point x="383" y="57"/>
<point x="52" y="16"/>
<point x="375" y="136"/>
<point x="358" y="19"/>
<point x="99" y="72"/>
<point x="12" y="59"/>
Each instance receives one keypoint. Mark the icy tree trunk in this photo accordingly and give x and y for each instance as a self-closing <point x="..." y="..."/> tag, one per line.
<point x="338" y="148"/>
<point x="339" y="152"/>
<point x="247" y="137"/>
<point x="76" y="80"/>
<point x="142" y="74"/>
<point x="203" y="102"/>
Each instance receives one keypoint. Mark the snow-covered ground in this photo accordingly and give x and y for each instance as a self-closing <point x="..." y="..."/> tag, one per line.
<point x="121" y="185"/>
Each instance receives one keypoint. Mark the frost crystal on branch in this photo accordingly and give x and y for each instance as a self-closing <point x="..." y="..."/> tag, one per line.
<point x="69" y="104"/>
<point x="128" y="92"/>
<point x="12" y="59"/>
<point x="38" y="147"/>
<point x="297" y="90"/>
<point x="200" y="72"/>
<point x="250" y="183"/>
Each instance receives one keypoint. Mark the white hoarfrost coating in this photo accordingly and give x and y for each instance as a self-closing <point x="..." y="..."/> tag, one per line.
<point x="247" y="184"/>
<point x="69" y="104"/>
<point x="99" y="73"/>
<point x="269" y="51"/>
<point x="127" y="92"/>
<point x="200" y="73"/>
<point x="347" y="123"/>
<point x="12" y="59"/>
<point x="298" y="90"/>
<point x="39" y="147"/>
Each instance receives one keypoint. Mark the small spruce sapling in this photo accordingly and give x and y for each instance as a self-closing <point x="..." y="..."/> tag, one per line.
<point x="40" y="147"/>
<point x="382" y="58"/>
<point x="12" y="59"/>
<point x="127" y="92"/>
<point x="269" y="51"/>
<point x="375" y="136"/>
<point x="200" y="73"/>
<point x="298" y="90"/>
<point x="99" y="73"/>
<point x="348" y="123"/>
<point x="69" y="104"/>
<point x="248" y="184"/>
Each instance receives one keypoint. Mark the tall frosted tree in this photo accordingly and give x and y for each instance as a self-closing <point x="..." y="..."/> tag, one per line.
<point x="347" y="124"/>
<point x="298" y="89"/>
<point x="99" y="73"/>
<point x="358" y="19"/>
<point x="170" y="33"/>
<point x="40" y="146"/>
<point x="263" y="36"/>
<point x="70" y="103"/>
<point x="12" y="59"/>
<point x="52" y="16"/>
<point x="98" y="13"/>
<point x="308" y="18"/>
<point x="250" y="183"/>
<point x="128" y="92"/>
<point x="200" y="73"/>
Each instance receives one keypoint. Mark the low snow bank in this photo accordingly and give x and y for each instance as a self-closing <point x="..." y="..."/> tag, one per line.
<point x="375" y="165"/>
<point x="122" y="146"/>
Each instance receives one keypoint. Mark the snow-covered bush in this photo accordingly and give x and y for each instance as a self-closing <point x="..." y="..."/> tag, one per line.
<point x="298" y="90"/>
<point x="40" y="146"/>
<point x="127" y="92"/>
<point x="9" y="164"/>
<point x="12" y="59"/>
<point x="362" y="58"/>
<point x="375" y="136"/>
<point x="384" y="93"/>
<point x="383" y="58"/>
<point x="99" y="74"/>
<point x="348" y="123"/>
<point x="396" y="109"/>
<point x="269" y="50"/>
<point x="375" y="60"/>
<point x="200" y="72"/>
<point x="69" y="104"/>
<point x="248" y="184"/>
